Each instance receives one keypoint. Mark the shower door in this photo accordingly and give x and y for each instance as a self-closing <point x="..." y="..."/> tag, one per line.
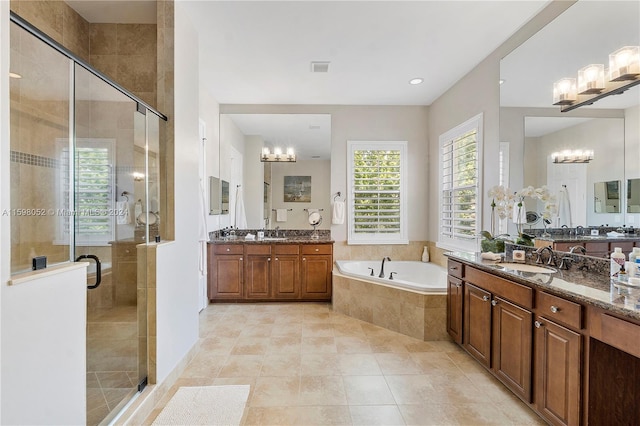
<point x="110" y="198"/>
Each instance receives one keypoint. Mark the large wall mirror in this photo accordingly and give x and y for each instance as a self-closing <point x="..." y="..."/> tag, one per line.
<point x="586" y="33"/>
<point x="263" y="183"/>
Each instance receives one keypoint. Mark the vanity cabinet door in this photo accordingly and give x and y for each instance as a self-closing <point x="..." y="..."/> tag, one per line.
<point x="455" y="297"/>
<point x="512" y="346"/>
<point x="557" y="366"/>
<point x="225" y="277"/>
<point x="316" y="276"/>
<point x="286" y="276"/>
<point x="258" y="277"/>
<point x="477" y="323"/>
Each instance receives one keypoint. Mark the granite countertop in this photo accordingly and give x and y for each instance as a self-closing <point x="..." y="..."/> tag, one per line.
<point x="286" y="240"/>
<point x="587" y="238"/>
<point x="574" y="284"/>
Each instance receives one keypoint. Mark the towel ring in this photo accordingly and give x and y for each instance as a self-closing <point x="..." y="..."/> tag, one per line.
<point x="338" y="194"/>
<point x="125" y="194"/>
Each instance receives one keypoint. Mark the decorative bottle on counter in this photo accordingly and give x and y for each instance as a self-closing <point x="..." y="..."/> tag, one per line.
<point x="425" y="254"/>
<point x="617" y="260"/>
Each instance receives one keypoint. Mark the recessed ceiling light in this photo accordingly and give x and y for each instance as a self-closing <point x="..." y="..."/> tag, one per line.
<point x="14" y="75"/>
<point x="416" y="81"/>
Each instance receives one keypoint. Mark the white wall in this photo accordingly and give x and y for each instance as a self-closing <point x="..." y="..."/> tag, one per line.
<point x="177" y="262"/>
<point x="209" y="113"/>
<point x="252" y="182"/>
<point x="44" y="348"/>
<point x="5" y="247"/>
<point x="370" y="123"/>
<point x="477" y="92"/>
<point x="297" y="218"/>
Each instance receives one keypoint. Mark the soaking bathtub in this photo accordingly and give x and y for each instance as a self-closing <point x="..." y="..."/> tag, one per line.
<point x="416" y="276"/>
<point x="413" y="303"/>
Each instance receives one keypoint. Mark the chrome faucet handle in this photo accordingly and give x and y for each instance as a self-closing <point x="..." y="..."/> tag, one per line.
<point x="371" y="271"/>
<point x="565" y="262"/>
<point x="391" y="275"/>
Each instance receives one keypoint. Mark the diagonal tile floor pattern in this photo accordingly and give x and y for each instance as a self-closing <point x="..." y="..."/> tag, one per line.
<point x="310" y="366"/>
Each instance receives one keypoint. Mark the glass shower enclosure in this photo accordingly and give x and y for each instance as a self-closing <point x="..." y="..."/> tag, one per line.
<point x="85" y="187"/>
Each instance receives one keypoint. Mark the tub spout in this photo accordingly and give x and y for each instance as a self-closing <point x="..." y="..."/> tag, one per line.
<point x="382" y="267"/>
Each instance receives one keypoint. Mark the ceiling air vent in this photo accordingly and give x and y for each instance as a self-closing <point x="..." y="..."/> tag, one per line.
<point x="320" y="66"/>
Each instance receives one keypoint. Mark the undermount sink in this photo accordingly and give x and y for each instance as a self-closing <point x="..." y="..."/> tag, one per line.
<point x="274" y="238"/>
<point x="523" y="267"/>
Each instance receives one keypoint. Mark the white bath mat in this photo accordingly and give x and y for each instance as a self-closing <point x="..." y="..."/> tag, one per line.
<point x="205" y="405"/>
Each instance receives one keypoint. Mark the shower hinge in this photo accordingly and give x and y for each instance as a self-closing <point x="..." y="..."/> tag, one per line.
<point x="142" y="384"/>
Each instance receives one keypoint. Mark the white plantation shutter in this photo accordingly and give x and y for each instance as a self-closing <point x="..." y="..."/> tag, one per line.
<point x="377" y="196"/>
<point x="460" y="150"/>
<point x="94" y="184"/>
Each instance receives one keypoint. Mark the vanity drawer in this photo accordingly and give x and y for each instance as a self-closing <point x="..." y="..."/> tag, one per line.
<point x="286" y="249"/>
<point x="565" y="246"/>
<point x="455" y="269"/>
<point x="558" y="309"/>
<point x="596" y="247"/>
<point x="512" y="291"/>
<point x="227" y="248"/>
<point x="317" y="249"/>
<point x="258" y="249"/>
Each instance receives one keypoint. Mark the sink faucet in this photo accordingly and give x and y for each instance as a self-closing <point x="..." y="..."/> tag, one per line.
<point x="540" y="251"/>
<point x="277" y="230"/>
<point x="578" y="248"/>
<point x="579" y="230"/>
<point x="382" y="267"/>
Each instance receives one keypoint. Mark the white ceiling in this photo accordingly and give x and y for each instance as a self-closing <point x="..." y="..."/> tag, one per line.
<point x="308" y="134"/>
<point x="116" y="11"/>
<point x="260" y="52"/>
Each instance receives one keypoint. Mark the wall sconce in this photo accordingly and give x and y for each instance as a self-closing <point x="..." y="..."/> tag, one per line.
<point x="624" y="73"/>
<point x="572" y="157"/>
<point x="277" y="156"/>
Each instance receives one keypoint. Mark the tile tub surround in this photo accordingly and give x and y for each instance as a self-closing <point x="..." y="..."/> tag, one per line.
<point x="413" y="314"/>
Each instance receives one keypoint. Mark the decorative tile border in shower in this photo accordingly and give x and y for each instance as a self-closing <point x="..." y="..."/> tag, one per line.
<point x="34" y="160"/>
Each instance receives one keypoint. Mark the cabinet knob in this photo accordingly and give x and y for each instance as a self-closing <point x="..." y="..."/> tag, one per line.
<point x="538" y="324"/>
<point x="276" y="258"/>
<point x="317" y="249"/>
<point x="554" y="309"/>
<point x="494" y="302"/>
<point x="268" y="259"/>
<point x="228" y="249"/>
<point x="126" y="251"/>
<point x="240" y="258"/>
<point x="304" y="258"/>
<point x="453" y="268"/>
<point x="485" y="298"/>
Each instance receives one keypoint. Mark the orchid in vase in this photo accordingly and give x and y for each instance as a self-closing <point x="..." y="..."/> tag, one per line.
<point x="550" y="209"/>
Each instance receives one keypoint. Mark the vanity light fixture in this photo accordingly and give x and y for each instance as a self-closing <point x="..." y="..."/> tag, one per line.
<point x="277" y="156"/>
<point x="623" y="73"/>
<point x="572" y="157"/>
<point x="415" y="81"/>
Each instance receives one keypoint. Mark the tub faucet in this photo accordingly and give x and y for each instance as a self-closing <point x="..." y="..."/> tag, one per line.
<point x="382" y="267"/>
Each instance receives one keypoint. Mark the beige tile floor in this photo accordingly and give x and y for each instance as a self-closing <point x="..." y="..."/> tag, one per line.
<point x="112" y="348"/>
<point x="308" y="365"/>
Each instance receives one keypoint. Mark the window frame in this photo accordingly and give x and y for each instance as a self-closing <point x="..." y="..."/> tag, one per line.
<point x="400" y="237"/>
<point x="456" y="244"/>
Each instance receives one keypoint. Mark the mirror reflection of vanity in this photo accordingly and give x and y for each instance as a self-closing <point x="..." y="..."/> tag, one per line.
<point x="263" y="182"/>
<point x="535" y="129"/>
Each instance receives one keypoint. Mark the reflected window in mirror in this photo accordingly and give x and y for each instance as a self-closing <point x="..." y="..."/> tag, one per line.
<point x="607" y="197"/>
<point x="633" y="195"/>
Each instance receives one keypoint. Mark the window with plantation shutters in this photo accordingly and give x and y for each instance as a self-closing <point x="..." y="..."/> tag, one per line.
<point x="93" y="213"/>
<point x="460" y="207"/>
<point x="377" y="201"/>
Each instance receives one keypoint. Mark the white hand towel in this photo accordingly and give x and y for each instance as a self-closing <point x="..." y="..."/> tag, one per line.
<point x="337" y="218"/>
<point x="124" y="215"/>
<point x="281" y="215"/>
<point x="490" y="256"/>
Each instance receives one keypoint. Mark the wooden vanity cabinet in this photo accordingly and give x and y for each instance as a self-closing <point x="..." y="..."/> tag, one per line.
<point x="477" y="323"/>
<point x="455" y="297"/>
<point x="270" y="272"/>
<point x="225" y="271"/>
<point x="316" y="264"/>
<point x="257" y="283"/>
<point x="285" y="272"/>
<point x="557" y="365"/>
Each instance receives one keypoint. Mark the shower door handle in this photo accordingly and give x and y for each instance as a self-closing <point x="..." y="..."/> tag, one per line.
<point x="98" y="268"/>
